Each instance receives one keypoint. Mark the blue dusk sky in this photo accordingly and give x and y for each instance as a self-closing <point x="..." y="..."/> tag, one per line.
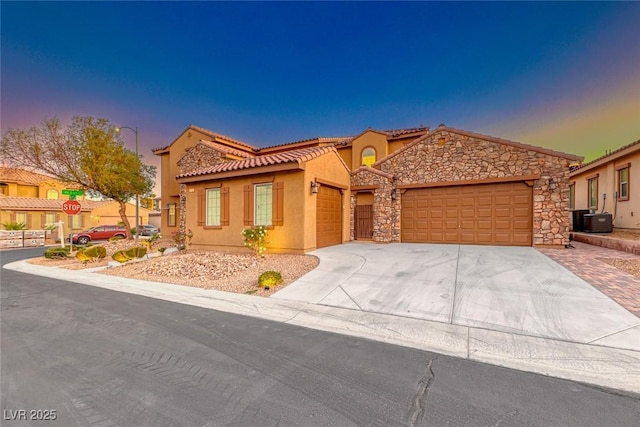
<point x="559" y="75"/>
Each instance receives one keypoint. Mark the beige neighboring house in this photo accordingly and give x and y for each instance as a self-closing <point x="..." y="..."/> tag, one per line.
<point x="610" y="184"/>
<point x="413" y="185"/>
<point x="36" y="200"/>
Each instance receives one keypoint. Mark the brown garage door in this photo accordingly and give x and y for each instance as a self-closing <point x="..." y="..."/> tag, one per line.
<point x="486" y="214"/>
<point x="328" y="217"/>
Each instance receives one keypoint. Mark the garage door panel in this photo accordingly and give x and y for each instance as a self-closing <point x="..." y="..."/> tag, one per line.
<point x="481" y="214"/>
<point x="329" y="217"/>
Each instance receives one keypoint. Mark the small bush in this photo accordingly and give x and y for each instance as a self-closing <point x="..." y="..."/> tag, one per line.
<point x="91" y="254"/>
<point x="56" y="253"/>
<point x="256" y="239"/>
<point x="114" y="238"/>
<point x="129" y="254"/>
<point x="269" y="279"/>
<point x="161" y="250"/>
<point x="14" y="226"/>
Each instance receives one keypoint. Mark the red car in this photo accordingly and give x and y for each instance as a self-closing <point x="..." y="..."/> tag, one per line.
<point x="101" y="232"/>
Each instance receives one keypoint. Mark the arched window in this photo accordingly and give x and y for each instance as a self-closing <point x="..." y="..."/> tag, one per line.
<point x="368" y="156"/>
<point x="52" y="194"/>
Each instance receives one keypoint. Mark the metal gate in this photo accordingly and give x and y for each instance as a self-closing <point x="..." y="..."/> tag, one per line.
<point x="364" y="222"/>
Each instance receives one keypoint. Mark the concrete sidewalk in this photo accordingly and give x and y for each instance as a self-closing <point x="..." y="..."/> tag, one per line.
<point x="606" y="365"/>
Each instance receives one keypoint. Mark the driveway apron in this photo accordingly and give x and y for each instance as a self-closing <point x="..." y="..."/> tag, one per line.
<point x="509" y="289"/>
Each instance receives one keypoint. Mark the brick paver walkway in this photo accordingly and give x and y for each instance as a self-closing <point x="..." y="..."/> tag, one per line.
<point x="582" y="261"/>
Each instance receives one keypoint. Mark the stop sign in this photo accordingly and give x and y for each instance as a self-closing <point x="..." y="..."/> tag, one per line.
<point x="71" y="207"/>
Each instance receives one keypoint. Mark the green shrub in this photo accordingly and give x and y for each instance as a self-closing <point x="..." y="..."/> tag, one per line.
<point x="269" y="279"/>
<point x="182" y="239"/>
<point x="114" y="238"/>
<point x="129" y="254"/>
<point x="56" y="253"/>
<point x="161" y="250"/>
<point x="91" y="254"/>
<point x="14" y="226"/>
<point x="256" y="239"/>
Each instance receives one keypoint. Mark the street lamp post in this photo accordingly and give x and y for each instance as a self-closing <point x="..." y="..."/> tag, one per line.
<point x="137" y="195"/>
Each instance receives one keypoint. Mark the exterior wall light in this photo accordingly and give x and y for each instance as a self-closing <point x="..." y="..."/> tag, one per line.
<point x="394" y="194"/>
<point x="314" y="187"/>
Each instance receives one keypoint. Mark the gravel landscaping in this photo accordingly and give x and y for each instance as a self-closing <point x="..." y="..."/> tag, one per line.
<point x="224" y="271"/>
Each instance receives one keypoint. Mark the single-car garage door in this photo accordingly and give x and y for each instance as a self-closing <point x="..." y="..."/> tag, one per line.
<point x="486" y="214"/>
<point x="328" y="217"/>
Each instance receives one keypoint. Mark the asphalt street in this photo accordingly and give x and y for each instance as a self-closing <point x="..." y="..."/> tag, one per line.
<point x="95" y="357"/>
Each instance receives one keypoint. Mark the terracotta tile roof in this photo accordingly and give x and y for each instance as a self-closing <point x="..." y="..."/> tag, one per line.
<point x="33" y="203"/>
<point x="399" y="132"/>
<point x="223" y="137"/>
<point x="300" y="156"/>
<point x="22" y="176"/>
<point x="613" y="154"/>
<point x="318" y="140"/>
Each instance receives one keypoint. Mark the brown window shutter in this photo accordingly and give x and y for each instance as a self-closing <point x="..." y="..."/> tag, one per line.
<point x="224" y="206"/>
<point x="278" y="203"/>
<point x="201" y="206"/>
<point x="13" y="218"/>
<point x="28" y="221"/>
<point x="248" y="205"/>
<point x="43" y="219"/>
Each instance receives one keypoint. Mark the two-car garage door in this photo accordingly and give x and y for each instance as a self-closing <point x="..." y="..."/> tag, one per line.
<point x="490" y="214"/>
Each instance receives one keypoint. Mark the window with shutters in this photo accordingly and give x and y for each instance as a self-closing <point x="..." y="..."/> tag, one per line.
<point x="50" y="218"/>
<point x="213" y="206"/>
<point x="263" y="203"/>
<point x="22" y="218"/>
<point x="76" y="221"/>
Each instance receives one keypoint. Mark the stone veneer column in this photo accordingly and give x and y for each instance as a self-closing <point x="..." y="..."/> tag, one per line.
<point x="183" y="208"/>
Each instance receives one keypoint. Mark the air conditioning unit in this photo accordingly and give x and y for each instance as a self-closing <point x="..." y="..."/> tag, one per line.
<point x="598" y="223"/>
<point x="578" y="219"/>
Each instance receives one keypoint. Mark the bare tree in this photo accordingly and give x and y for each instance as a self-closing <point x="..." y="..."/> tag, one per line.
<point x="88" y="153"/>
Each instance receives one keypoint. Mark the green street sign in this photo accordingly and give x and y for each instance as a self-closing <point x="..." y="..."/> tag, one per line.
<point x="72" y="193"/>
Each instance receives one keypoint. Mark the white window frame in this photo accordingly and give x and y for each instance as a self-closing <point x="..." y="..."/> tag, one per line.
<point x="53" y="192"/>
<point x="263" y="204"/>
<point x="213" y="207"/>
<point x="590" y="190"/>
<point x="625" y="197"/>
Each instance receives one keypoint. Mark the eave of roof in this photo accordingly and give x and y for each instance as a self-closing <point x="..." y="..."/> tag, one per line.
<point x="615" y="154"/>
<point x="210" y="133"/>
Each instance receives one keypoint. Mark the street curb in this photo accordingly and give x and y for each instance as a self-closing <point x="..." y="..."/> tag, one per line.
<point x="594" y="364"/>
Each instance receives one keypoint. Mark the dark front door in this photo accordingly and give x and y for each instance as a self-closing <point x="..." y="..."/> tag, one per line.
<point x="364" y="222"/>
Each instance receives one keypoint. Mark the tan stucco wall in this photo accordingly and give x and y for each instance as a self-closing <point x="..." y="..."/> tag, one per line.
<point x="326" y="168"/>
<point x="368" y="139"/>
<point x="298" y="232"/>
<point x="108" y="214"/>
<point x="346" y="154"/>
<point x="288" y="237"/>
<point x="626" y="213"/>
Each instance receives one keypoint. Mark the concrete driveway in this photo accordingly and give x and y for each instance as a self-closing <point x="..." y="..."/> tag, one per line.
<point x="508" y="289"/>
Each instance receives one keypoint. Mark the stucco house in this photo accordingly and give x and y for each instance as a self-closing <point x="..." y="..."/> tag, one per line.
<point x="36" y="200"/>
<point x="609" y="184"/>
<point x="404" y="185"/>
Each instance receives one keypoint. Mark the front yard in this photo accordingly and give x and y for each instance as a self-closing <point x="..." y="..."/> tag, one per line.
<point x="226" y="271"/>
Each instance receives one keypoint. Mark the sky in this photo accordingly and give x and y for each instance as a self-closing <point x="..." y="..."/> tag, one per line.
<point x="564" y="76"/>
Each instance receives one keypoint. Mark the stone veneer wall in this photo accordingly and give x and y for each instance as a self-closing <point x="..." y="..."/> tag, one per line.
<point x="198" y="157"/>
<point x="465" y="158"/>
<point x="386" y="212"/>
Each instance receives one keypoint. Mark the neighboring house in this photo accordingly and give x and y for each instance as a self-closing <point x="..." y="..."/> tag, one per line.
<point x="610" y="184"/>
<point x="404" y="185"/>
<point x="37" y="199"/>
